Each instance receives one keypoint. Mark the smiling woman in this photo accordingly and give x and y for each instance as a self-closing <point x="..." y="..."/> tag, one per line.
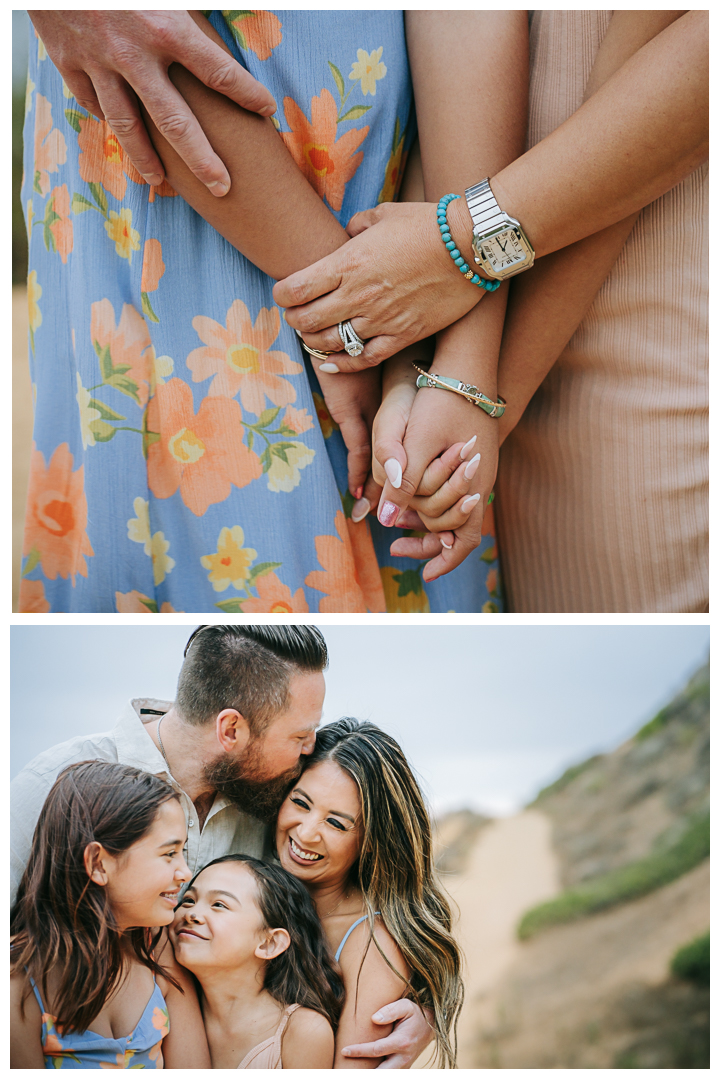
<point x="356" y="832"/>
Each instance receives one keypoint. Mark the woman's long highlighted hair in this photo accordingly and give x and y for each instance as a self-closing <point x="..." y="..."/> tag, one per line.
<point x="305" y="973"/>
<point x="62" y="922"/>
<point x="395" y="870"/>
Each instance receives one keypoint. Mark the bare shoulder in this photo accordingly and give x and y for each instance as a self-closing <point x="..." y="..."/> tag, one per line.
<point x="25" y="1027"/>
<point x="360" y="949"/>
<point x="308" y="1042"/>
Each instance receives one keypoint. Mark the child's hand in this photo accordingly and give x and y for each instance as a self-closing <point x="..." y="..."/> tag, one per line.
<point x="352" y="401"/>
<point x="438" y="420"/>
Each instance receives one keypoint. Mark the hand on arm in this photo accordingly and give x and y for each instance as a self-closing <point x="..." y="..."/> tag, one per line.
<point x="412" y="1033"/>
<point x="275" y="218"/>
<point x="110" y="60"/>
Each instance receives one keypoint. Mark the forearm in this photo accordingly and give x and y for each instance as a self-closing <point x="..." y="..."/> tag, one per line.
<point x="643" y="131"/>
<point x="461" y="139"/>
<point x="547" y="305"/>
<point x="271" y="213"/>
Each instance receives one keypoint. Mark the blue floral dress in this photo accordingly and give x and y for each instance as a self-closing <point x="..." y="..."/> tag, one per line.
<point x="184" y="459"/>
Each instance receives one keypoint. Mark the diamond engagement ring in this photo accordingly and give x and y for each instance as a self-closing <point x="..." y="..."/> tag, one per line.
<point x="353" y="344"/>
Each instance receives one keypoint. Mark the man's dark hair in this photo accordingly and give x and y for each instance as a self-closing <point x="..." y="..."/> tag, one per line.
<point x="247" y="668"/>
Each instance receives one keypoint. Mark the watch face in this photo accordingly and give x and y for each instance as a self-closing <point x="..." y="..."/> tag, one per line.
<point x="504" y="250"/>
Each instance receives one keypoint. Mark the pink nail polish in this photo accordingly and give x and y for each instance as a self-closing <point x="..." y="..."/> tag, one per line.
<point x="387" y="514"/>
<point x="358" y="492"/>
<point x="467" y="447"/>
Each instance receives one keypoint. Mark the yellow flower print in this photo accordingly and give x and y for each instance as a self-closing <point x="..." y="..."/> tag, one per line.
<point x="161" y="367"/>
<point x="119" y="229"/>
<point x="284" y="472"/>
<point x="42" y="51"/>
<point x="87" y="414"/>
<point x="368" y="69"/>
<point x="162" y="563"/>
<point x="403" y="590"/>
<point x="67" y="92"/>
<point x="29" y="87"/>
<point x="34" y="292"/>
<point x="30" y="216"/>
<point x="156" y="546"/>
<point x="139" y="527"/>
<point x="489" y="608"/>
<point x="231" y="562"/>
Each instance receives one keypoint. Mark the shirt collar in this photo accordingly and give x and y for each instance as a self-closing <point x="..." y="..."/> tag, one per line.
<point x="134" y="745"/>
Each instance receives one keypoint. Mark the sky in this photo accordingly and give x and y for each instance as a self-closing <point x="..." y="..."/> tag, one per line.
<point x="487" y="715"/>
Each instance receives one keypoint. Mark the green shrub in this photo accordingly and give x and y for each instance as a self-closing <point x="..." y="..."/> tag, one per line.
<point x="626" y="883"/>
<point x="563" y="781"/>
<point x="699" y="691"/>
<point x="692" y="961"/>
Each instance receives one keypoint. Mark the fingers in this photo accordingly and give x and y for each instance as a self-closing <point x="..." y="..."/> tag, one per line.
<point x="417" y="547"/>
<point x="121" y="111"/>
<point x="82" y="89"/>
<point x="306" y="285"/>
<point x="356" y="437"/>
<point x="368" y="499"/>
<point x="209" y="63"/>
<point x="441" y="469"/>
<point x="177" y="124"/>
<point x="447" y="559"/>
<point x="360" y="222"/>
<point x="451" y="505"/>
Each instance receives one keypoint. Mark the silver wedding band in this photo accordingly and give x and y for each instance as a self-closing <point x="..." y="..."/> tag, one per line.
<point x="313" y="352"/>
<point x="353" y="344"/>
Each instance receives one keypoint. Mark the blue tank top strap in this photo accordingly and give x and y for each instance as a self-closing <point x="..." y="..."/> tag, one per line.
<point x="36" y="992"/>
<point x="357" y="922"/>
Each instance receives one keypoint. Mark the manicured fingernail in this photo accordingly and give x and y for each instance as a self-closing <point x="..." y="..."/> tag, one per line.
<point x="448" y="547"/>
<point x="378" y="1018"/>
<point x="153" y="178"/>
<point x="218" y="188"/>
<point x="358" y="492"/>
<point x="388" y="513"/>
<point x="393" y="471"/>
<point x="467" y="447"/>
<point x="360" y="509"/>
<point x="472" y="467"/>
<point x="471" y="501"/>
<point x="330" y="368"/>
<point x="268" y="110"/>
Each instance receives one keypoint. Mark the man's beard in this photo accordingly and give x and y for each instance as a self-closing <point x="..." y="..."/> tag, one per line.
<point x="241" y="782"/>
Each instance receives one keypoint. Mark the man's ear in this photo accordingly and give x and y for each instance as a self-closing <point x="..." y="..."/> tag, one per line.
<point x="94" y="865"/>
<point x="275" y="943"/>
<point x="232" y="730"/>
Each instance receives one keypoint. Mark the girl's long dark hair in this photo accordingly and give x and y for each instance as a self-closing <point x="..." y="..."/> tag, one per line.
<point x="395" y="870"/>
<point x="305" y="973"/>
<point x="62" y="922"/>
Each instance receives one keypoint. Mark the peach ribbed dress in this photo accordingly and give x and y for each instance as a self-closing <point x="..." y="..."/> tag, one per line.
<point x="602" y="489"/>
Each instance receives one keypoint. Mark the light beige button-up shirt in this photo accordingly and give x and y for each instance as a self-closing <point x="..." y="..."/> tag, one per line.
<point x="226" y="831"/>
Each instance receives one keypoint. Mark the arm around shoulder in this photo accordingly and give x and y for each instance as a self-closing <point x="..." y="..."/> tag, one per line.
<point x="185" y="1047"/>
<point x="308" y="1042"/>
<point x="25" y="1028"/>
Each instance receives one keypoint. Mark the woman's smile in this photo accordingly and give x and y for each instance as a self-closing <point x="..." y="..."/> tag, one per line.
<point x="301" y="855"/>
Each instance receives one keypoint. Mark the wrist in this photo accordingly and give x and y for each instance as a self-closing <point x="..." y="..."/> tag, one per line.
<point x="461" y="227"/>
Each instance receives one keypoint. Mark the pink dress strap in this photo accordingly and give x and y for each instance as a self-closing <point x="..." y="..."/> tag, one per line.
<point x="268" y="1054"/>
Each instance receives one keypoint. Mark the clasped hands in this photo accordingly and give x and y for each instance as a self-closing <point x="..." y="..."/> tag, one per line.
<point x="434" y="454"/>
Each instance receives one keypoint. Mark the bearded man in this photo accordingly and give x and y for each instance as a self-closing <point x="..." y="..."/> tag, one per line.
<point x="249" y="699"/>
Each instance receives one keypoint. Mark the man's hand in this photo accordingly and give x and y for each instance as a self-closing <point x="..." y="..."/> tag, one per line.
<point x="413" y="1031"/>
<point x="109" y="59"/>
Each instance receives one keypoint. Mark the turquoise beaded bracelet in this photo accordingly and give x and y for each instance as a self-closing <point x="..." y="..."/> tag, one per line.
<point x="455" y="253"/>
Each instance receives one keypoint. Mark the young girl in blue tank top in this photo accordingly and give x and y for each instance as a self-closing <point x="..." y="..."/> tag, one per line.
<point x="86" y="988"/>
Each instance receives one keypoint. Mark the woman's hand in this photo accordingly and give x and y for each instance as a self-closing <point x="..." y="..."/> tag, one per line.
<point x="394" y="280"/>
<point x="352" y="401"/>
<point x="449" y="494"/>
<point x="110" y="59"/>
<point x="412" y="1032"/>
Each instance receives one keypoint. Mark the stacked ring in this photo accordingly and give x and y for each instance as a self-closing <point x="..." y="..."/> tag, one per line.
<point x="455" y="254"/>
<point x="313" y="352"/>
<point x="351" y="340"/>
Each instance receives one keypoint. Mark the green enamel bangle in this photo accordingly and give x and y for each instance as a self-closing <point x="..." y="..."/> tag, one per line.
<point x="470" y="393"/>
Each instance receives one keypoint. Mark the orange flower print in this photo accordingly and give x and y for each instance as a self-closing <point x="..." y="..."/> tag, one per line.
<point x="153" y="266"/>
<point x="122" y="1061"/>
<point x="62" y="229"/>
<point x="101" y="156"/>
<point x="366" y="565"/>
<point x="337" y="578"/>
<point x="258" y="31"/>
<point x="129" y="345"/>
<point x="50" y="146"/>
<point x="103" y="161"/>
<point x="275" y="598"/>
<point x="297" y="420"/>
<point x="202" y="454"/>
<point x="161" y="1021"/>
<point x="327" y="424"/>
<point x="237" y="356"/>
<point x="394" y="168"/>
<point x="491" y="582"/>
<point x="136" y="603"/>
<point x="56" y="516"/>
<point x="327" y="164"/>
<point x="32" y="597"/>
